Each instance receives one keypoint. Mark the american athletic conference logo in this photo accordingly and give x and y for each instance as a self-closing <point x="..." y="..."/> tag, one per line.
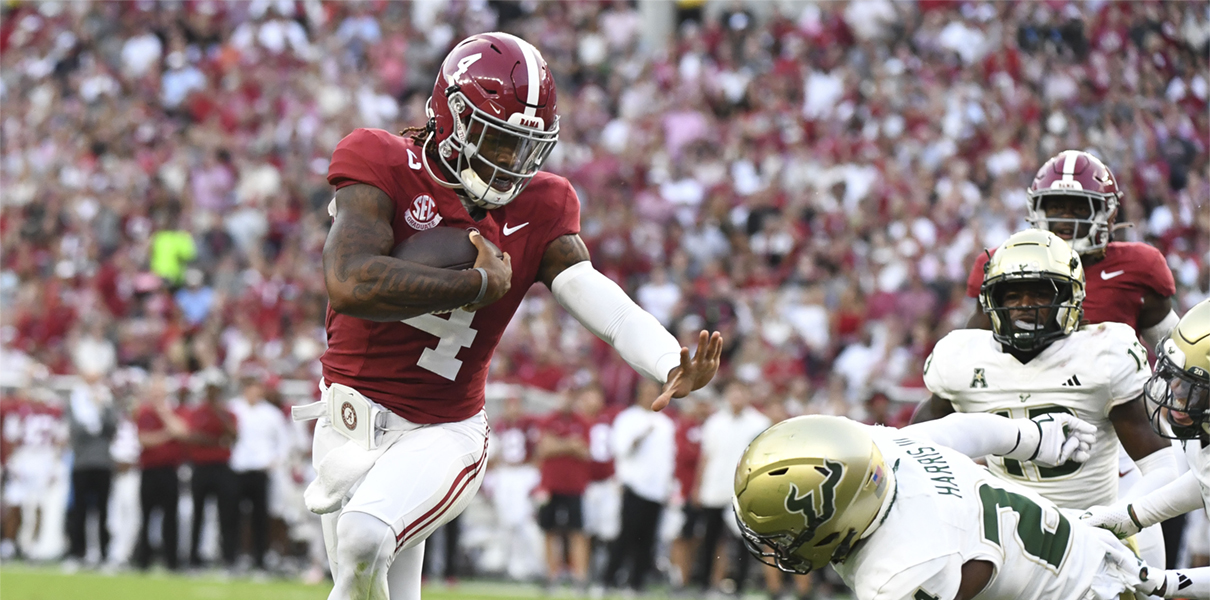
<point x="423" y="214"/>
<point x="348" y="415"/>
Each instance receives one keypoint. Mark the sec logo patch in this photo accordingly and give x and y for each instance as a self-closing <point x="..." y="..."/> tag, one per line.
<point x="423" y="213"/>
<point x="348" y="416"/>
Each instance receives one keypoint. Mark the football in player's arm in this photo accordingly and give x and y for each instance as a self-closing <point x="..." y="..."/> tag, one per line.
<point x="1076" y="197"/>
<point x="364" y="281"/>
<point x="1179" y="391"/>
<point x="905" y="515"/>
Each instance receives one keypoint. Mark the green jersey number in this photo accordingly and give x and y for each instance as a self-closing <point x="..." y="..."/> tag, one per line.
<point x="1014" y="467"/>
<point x="1047" y="546"/>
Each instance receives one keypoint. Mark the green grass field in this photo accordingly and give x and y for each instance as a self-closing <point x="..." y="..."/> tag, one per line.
<point x="23" y="582"/>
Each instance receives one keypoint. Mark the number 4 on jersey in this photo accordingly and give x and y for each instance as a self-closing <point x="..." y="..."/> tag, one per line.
<point x="454" y="333"/>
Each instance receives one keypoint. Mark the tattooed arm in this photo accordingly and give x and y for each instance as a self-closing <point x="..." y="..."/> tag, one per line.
<point x="364" y="281"/>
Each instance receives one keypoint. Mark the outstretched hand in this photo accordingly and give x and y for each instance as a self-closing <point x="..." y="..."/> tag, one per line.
<point x="692" y="374"/>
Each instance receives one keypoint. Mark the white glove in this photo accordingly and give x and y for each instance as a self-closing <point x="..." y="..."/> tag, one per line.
<point x="1117" y="518"/>
<point x="1134" y="573"/>
<point x="1053" y="439"/>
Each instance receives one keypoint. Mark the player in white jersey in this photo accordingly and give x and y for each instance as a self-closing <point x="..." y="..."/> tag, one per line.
<point x="1179" y="393"/>
<point x="901" y="516"/>
<point x="1038" y="360"/>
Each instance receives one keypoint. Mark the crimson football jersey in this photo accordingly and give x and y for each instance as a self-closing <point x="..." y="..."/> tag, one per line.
<point x="563" y="473"/>
<point x="598" y="444"/>
<point x="29" y="424"/>
<point x="515" y="440"/>
<point x="1114" y="285"/>
<point x="433" y="368"/>
<point x="688" y="452"/>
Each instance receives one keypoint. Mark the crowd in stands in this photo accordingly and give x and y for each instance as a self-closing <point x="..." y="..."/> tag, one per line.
<point x="812" y="179"/>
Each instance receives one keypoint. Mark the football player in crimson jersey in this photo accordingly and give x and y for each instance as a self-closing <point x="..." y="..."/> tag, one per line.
<point x="475" y="165"/>
<point x="511" y="480"/>
<point x="1075" y="196"/>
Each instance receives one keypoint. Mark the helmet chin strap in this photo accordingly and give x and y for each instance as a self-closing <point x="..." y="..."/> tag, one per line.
<point x="482" y="194"/>
<point x="478" y="191"/>
<point x="424" y="158"/>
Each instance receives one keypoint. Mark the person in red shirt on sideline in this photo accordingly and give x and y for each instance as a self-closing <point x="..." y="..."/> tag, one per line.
<point x="1076" y="197"/>
<point x="563" y="459"/>
<point x="161" y="431"/>
<point x="409" y="345"/>
<point x="603" y="496"/>
<point x="212" y="432"/>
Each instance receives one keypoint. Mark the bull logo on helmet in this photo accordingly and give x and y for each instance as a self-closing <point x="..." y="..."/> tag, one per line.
<point x="833" y="472"/>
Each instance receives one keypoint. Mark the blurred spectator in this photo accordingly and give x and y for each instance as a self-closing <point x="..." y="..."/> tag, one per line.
<point x="602" y="495"/>
<point x="212" y="432"/>
<point x="172" y="246"/>
<point x="261" y="441"/>
<point x="94" y="423"/>
<point x="644" y="450"/>
<point x="196" y="299"/>
<point x="891" y="142"/>
<point x="563" y="458"/>
<point x="161" y="431"/>
<point x="511" y="479"/>
<point x="725" y="435"/>
<point x="694" y="411"/>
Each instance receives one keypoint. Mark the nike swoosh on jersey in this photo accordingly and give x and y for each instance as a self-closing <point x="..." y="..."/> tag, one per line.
<point x="1107" y="276"/>
<point x="511" y="230"/>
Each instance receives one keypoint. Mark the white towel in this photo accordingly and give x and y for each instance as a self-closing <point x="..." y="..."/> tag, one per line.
<point x="342" y="467"/>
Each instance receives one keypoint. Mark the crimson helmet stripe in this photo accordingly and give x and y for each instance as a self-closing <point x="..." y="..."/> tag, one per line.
<point x="531" y="70"/>
<point x="1069" y="165"/>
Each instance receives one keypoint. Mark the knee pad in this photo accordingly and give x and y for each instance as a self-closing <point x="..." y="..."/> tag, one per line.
<point x="364" y="542"/>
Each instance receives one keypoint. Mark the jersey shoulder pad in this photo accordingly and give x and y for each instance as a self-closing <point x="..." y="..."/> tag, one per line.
<point x="1108" y="338"/>
<point x="373" y="157"/>
<point x="549" y="199"/>
<point x="1146" y="265"/>
<point x="951" y="354"/>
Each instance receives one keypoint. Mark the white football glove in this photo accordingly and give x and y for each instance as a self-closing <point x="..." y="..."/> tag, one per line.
<point x="1117" y="518"/>
<point x="1134" y="573"/>
<point x="1053" y="439"/>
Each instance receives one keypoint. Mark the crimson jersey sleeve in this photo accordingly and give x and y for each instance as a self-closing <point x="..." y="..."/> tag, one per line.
<point x="368" y="156"/>
<point x="975" y="280"/>
<point x="568" y="222"/>
<point x="1153" y="272"/>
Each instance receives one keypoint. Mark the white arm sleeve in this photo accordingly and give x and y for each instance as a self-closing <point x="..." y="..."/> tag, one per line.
<point x="1152" y="335"/>
<point x="1177" y="498"/>
<point x="977" y="434"/>
<point x="1158" y="469"/>
<point x="602" y="307"/>
<point x="1187" y="583"/>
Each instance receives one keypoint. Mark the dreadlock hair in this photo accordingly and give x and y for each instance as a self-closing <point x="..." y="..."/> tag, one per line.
<point x="419" y="133"/>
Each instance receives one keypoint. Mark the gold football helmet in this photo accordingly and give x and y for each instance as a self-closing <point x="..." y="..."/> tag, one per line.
<point x="807" y="489"/>
<point x="1179" y="389"/>
<point x="1035" y="259"/>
